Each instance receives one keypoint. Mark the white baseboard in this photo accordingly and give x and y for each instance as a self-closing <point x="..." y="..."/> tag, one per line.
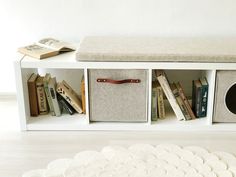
<point x="7" y="95"/>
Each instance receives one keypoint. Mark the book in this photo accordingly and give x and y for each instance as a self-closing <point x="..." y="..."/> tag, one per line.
<point x="52" y="84"/>
<point x="204" y="97"/>
<point x="161" y="77"/>
<point x="160" y="102"/>
<point x="180" y="101"/>
<point x="154" y="112"/>
<point x="196" y="95"/>
<point x="42" y="102"/>
<point x="46" y="79"/>
<point x="32" y="91"/>
<point x="160" y="99"/>
<point x="65" y="105"/>
<point x="45" y="48"/>
<point x="82" y="88"/>
<point x="185" y="100"/>
<point x="70" y="96"/>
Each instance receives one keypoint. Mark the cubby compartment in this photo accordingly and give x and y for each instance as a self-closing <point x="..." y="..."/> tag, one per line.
<point x="118" y="95"/>
<point x="185" y="78"/>
<point x="48" y="122"/>
<point x="65" y="67"/>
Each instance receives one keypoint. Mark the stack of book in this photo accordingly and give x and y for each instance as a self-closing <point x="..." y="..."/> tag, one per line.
<point x="48" y="96"/>
<point x="177" y="98"/>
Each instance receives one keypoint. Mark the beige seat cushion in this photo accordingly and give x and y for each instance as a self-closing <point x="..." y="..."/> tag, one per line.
<point x="157" y="49"/>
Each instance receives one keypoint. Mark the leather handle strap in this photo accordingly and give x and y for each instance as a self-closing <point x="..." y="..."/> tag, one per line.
<point x="111" y="81"/>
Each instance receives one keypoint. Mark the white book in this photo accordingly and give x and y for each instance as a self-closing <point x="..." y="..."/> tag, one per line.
<point x="53" y="94"/>
<point x="170" y="96"/>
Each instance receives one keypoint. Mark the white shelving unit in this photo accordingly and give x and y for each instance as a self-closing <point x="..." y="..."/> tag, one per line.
<point x="66" y="67"/>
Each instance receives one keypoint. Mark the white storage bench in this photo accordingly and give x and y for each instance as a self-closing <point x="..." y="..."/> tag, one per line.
<point x="182" y="59"/>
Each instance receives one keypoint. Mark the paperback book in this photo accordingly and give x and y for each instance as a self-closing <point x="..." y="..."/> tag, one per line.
<point x="45" y="48"/>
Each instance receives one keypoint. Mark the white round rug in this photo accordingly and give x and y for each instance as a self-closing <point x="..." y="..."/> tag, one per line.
<point x="142" y="160"/>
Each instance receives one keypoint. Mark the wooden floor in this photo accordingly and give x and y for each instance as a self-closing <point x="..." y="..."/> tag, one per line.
<point x="22" y="151"/>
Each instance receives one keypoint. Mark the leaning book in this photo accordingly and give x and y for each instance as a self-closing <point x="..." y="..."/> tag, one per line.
<point x="70" y="96"/>
<point x="46" y="47"/>
<point x="53" y="96"/>
<point x="161" y="77"/>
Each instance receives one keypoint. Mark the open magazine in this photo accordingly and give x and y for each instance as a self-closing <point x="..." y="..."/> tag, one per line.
<point x="46" y="47"/>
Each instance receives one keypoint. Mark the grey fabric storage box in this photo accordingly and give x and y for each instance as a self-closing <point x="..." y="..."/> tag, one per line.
<point x="111" y="102"/>
<point x="225" y="97"/>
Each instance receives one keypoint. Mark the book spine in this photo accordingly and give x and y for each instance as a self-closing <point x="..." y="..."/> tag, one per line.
<point x="185" y="100"/>
<point x="83" y="96"/>
<point x="181" y="103"/>
<point x="68" y="94"/>
<point x="160" y="103"/>
<point x="171" y="98"/>
<point x="154" y="105"/>
<point x="32" y="91"/>
<point x="42" y="103"/>
<point x="198" y="94"/>
<point x="67" y="107"/>
<point x="49" y="100"/>
<point x="204" y="97"/>
<point x="53" y="96"/>
<point x="194" y="98"/>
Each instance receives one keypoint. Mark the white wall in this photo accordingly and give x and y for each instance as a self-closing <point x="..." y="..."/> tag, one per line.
<point x="25" y="21"/>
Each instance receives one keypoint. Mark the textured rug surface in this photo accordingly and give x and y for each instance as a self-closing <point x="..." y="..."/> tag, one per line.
<point x="142" y="160"/>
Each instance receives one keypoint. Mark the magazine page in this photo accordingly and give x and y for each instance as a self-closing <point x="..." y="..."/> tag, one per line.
<point x="56" y="44"/>
<point x="37" y="51"/>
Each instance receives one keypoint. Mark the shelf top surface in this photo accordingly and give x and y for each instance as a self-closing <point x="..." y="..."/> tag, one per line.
<point x="68" y="60"/>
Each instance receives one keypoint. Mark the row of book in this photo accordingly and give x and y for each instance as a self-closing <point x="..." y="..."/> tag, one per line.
<point x="177" y="98"/>
<point x="48" y="96"/>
